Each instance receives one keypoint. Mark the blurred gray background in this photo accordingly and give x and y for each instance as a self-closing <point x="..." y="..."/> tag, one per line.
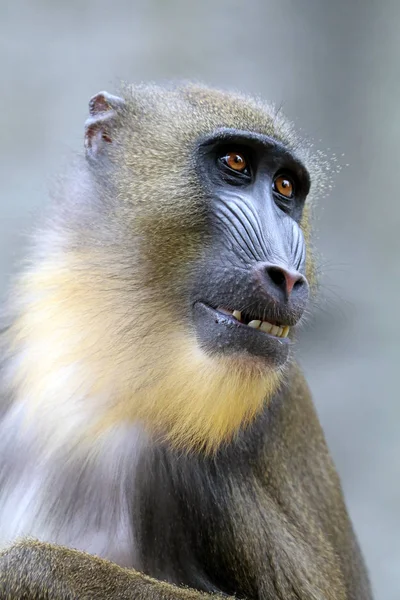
<point x="334" y="66"/>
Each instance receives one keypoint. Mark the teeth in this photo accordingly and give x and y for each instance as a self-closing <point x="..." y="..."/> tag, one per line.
<point x="264" y="326"/>
<point x="254" y="324"/>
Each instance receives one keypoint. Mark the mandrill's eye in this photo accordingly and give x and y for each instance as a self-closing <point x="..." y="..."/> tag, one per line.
<point x="284" y="186"/>
<point x="236" y="161"/>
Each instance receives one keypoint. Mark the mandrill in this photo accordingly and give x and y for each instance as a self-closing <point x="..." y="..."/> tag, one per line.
<point x="157" y="439"/>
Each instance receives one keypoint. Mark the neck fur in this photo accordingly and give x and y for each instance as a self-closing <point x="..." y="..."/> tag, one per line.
<point x="93" y="357"/>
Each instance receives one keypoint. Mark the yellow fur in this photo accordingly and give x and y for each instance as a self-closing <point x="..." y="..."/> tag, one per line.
<point x="140" y="364"/>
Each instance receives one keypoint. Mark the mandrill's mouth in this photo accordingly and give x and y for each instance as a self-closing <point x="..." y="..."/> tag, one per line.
<point x="280" y="331"/>
<point x="228" y="332"/>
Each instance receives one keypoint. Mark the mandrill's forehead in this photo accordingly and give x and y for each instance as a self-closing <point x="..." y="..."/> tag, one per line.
<point x="188" y="112"/>
<point x="238" y="112"/>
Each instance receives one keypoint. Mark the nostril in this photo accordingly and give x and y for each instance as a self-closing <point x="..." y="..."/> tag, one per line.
<point x="276" y="274"/>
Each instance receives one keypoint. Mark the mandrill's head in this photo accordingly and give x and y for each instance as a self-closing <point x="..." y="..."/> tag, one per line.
<point x="165" y="288"/>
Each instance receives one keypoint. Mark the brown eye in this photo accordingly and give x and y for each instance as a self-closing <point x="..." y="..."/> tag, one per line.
<point x="236" y="161"/>
<point x="284" y="186"/>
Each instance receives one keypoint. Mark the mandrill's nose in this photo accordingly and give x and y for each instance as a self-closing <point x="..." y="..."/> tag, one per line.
<point x="282" y="284"/>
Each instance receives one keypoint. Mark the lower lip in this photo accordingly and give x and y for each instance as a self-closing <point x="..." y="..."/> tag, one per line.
<point x="223" y="334"/>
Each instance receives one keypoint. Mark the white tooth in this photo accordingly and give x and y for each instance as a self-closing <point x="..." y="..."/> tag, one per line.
<point x="237" y="314"/>
<point x="266" y="327"/>
<point x="279" y="334"/>
<point x="274" y="330"/>
<point x="285" y="331"/>
<point x="254" y="324"/>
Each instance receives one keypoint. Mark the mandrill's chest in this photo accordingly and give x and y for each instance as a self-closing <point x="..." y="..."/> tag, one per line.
<point x="218" y="533"/>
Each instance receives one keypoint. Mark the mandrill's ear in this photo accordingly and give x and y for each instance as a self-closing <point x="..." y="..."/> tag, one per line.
<point x="103" y="109"/>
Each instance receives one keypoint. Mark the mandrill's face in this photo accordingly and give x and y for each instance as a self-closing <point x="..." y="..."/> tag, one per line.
<point x="251" y="286"/>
